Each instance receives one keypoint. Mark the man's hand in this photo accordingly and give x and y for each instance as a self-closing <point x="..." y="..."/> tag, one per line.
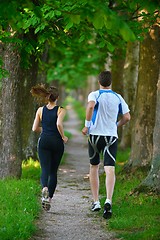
<point x="85" y="131"/>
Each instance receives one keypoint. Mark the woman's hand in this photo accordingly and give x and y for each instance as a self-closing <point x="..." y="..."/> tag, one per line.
<point x="65" y="139"/>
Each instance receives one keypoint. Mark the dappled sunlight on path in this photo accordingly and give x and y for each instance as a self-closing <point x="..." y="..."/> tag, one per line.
<point x="70" y="217"/>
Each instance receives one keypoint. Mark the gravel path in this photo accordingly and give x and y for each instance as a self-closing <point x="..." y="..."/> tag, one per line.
<point x="70" y="217"/>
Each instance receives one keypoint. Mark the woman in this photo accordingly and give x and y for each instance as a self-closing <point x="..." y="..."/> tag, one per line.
<point x="49" y="122"/>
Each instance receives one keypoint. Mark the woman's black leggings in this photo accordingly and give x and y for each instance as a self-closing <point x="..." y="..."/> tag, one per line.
<point x="50" y="151"/>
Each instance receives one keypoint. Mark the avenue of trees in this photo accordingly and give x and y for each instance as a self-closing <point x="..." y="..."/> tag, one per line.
<point x="68" y="43"/>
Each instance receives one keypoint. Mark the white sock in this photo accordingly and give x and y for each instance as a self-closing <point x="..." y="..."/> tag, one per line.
<point x="108" y="201"/>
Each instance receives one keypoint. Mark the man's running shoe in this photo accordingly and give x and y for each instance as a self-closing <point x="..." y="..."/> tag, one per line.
<point x="107" y="210"/>
<point x="45" y="199"/>
<point x="96" y="206"/>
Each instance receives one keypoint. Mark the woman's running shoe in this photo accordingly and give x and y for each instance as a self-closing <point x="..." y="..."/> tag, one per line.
<point x="45" y="199"/>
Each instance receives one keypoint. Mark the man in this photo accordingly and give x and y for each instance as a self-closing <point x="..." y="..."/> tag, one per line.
<point x="101" y="124"/>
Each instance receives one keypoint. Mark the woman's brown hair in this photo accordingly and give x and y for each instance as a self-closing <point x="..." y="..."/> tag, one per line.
<point x="43" y="94"/>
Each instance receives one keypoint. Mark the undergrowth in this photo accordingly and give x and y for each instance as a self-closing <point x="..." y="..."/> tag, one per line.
<point x="19" y="208"/>
<point x="135" y="216"/>
<point x="20" y="202"/>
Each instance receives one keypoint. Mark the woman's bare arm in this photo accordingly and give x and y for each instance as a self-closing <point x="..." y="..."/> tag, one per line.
<point x="36" y="124"/>
<point x="61" y="115"/>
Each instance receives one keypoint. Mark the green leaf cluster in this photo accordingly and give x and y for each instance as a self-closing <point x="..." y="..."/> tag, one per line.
<point x="78" y="34"/>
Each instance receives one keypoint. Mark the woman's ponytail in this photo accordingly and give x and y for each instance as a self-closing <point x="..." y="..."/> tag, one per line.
<point x="43" y="94"/>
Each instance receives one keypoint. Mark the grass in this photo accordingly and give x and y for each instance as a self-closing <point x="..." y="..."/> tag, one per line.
<point x="135" y="216"/>
<point x="19" y="206"/>
<point x="31" y="170"/>
<point x="20" y="202"/>
<point x="79" y="108"/>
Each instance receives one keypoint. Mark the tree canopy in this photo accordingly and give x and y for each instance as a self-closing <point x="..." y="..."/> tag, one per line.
<point x="79" y="34"/>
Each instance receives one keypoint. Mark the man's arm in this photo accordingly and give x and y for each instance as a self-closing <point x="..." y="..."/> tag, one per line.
<point x="125" y="118"/>
<point x="89" y="110"/>
<point x="89" y="113"/>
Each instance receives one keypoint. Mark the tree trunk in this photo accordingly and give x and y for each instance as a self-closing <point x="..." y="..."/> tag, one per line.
<point x="152" y="181"/>
<point x="130" y="78"/>
<point x="144" y="114"/>
<point x="28" y="78"/>
<point x="118" y="61"/>
<point x="11" y="157"/>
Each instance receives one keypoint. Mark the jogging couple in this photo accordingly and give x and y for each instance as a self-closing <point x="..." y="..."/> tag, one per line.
<point x="101" y="125"/>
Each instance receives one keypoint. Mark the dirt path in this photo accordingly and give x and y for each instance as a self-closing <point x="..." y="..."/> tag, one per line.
<point x="70" y="217"/>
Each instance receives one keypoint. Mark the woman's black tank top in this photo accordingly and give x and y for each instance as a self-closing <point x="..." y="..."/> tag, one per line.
<point x="49" y="122"/>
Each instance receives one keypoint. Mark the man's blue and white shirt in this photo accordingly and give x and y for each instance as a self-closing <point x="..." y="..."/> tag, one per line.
<point x="108" y="105"/>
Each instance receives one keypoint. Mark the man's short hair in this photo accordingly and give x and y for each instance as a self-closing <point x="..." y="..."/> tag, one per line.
<point x="105" y="78"/>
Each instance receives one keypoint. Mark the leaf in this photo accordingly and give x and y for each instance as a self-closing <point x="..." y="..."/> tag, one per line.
<point x="102" y="44"/>
<point x="75" y="19"/>
<point x="126" y="33"/>
<point x="69" y="25"/>
<point x="111" y="22"/>
<point x="108" y="22"/>
<point x="3" y="73"/>
<point x="34" y="20"/>
<point x="82" y="37"/>
<point x="29" y="48"/>
<point x="40" y="27"/>
<point x="98" y="21"/>
<point x="110" y="47"/>
<point x="50" y="14"/>
<point x="57" y="13"/>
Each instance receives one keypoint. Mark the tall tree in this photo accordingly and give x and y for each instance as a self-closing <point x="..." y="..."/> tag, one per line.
<point x="152" y="182"/>
<point x="145" y="106"/>
<point x="118" y="60"/>
<point x="130" y="77"/>
<point x="34" y="75"/>
<point x="11" y="156"/>
<point x="28" y="78"/>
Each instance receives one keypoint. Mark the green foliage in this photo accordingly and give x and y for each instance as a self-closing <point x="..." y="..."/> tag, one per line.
<point x="79" y="35"/>
<point x="3" y="72"/>
<point x="56" y="18"/>
<point x="74" y="65"/>
<point x="68" y="134"/>
<point x="19" y="208"/>
<point x="135" y="216"/>
<point x="19" y="203"/>
<point x="79" y="109"/>
<point x="31" y="170"/>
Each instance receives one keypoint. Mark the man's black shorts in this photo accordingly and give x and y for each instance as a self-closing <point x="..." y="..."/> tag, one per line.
<point x="107" y="145"/>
